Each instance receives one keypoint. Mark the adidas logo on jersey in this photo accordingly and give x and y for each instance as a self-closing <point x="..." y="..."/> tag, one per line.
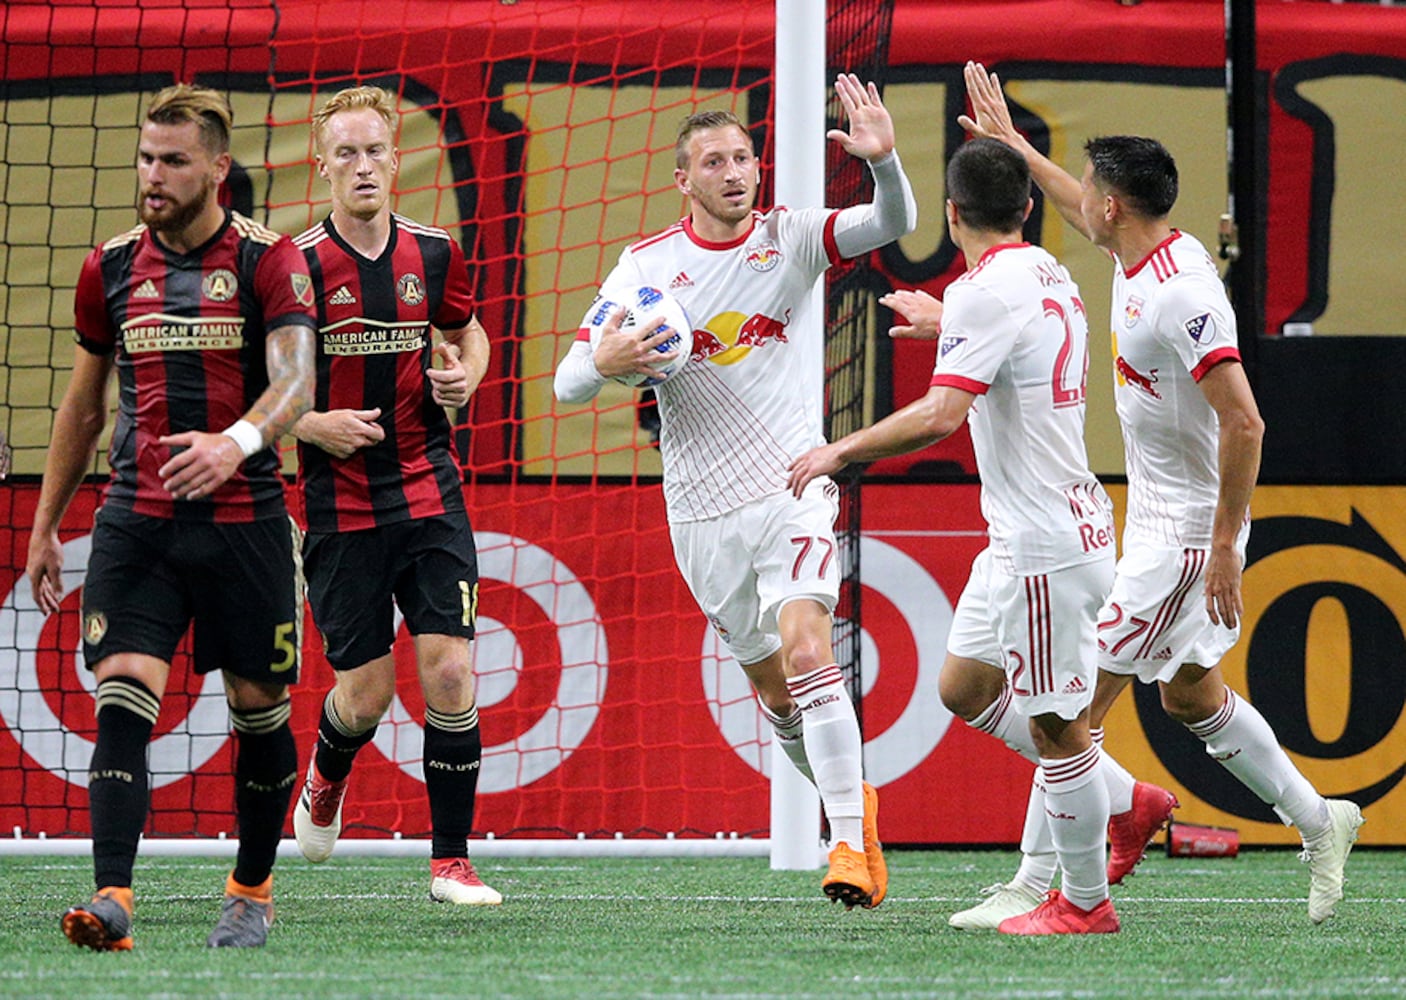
<point x="1076" y="686"/>
<point x="681" y="280"/>
<point x="146" y="290"/>
<point x="1165" y="653"/>
<point x="342" y="297"/>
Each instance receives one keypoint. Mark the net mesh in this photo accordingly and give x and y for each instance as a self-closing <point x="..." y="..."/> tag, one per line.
<point x="541" y="136"/>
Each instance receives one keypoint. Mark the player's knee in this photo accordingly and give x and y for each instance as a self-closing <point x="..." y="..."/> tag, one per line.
<point x="448" y="686"/>
<point x="1187" y="706"/>
<point x="967" y="694"/>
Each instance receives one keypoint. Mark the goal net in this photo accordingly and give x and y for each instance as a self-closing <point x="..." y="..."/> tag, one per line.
<point x="541" y="136"/>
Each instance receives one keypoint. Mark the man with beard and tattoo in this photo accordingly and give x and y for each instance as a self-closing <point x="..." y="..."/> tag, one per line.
<point x="207" y="318"/>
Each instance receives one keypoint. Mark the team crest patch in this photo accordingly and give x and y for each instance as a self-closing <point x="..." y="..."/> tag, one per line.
<point x="949" y="344"/>
<point x="302" y="288"/>
<point x="219" y="285"/>
<point x="1196" y="326"/>
<point x="410" y="289"/>
<point x="1133" y="312"/>
<point x="94" y="627"/>
<point x="763" y="257"/>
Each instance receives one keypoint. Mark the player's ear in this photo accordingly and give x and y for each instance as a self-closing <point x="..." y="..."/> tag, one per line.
<point x="1029" y="207"/>
<point x="681" y="181"/>
<point x="395" y="162"/>
<point x="322" y="167"/>
<point x="222" y="165"/>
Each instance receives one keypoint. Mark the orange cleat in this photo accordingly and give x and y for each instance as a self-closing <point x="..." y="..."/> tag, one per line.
<point x="104" y="924"/>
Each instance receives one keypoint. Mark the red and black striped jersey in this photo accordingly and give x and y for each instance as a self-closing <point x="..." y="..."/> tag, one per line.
<point x="374" y="345"/>
<point x="189" y="334"/>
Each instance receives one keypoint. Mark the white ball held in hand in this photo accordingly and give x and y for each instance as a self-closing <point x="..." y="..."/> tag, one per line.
<point x="642" y="304"/>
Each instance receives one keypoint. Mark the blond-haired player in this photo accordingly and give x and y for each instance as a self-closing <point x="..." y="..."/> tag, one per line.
<point x="760" y="563"/>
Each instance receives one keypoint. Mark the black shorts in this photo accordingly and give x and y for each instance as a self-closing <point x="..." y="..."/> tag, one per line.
<point x="428" y="566"/>
<point x="149" y="578"/>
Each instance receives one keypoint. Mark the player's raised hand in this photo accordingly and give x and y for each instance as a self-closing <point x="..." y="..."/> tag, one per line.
<point x="923" y="312"/>
<point x="449" y="383"/>
<point x="870" y="134"/>
<point x="341" y="433"/>
<point x="634" y="351"/>
<point x="993" y="116"/>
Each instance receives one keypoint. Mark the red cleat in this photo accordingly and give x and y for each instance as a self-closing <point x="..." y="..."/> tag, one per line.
<point x="1057" y="915"/>
<point x="1129" y="832"/>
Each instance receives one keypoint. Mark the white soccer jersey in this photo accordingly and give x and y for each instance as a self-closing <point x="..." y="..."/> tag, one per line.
<point x="739" y="411"/>
<point x="1014" y="332"/>
<point x="1172" y="323"/>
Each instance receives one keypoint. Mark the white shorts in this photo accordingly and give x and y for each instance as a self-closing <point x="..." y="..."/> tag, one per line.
<point x="1155" y="619"/>
<point x="1042" y="630"/>
<point x="742" y="566"/>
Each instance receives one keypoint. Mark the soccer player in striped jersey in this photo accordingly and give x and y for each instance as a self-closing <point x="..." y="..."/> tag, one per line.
<point x="1011" y="362"/>
<point x="383" y="493"/>
<point x="1192" y="433"/>
<point x="207" y="319"/>
<point x="759" y="562"/>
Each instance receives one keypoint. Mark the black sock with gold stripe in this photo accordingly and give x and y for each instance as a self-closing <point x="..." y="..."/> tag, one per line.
<point x="117" y="777"/>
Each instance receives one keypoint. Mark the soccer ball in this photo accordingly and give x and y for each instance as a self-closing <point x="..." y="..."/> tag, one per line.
<point x="642" y="304"/>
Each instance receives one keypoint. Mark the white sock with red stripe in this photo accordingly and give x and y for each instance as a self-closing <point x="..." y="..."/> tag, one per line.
<point x="833" y="747"/>
<point x="1076" y="801"/>
<point x="1239" y="737"/>
<point x="1038" y="860"/>
<point x="1002" y="721"/>
<point x="790" y="734"/>
<point x="1115" y="776"/>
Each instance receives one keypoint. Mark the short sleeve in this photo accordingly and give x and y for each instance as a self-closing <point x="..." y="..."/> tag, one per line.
<point x="977" y="337"/>
<point x="284" y="287"/>
<point x="458" y="305"/>
<point x="92" y="322"/>
<point x="1195" y="320"/>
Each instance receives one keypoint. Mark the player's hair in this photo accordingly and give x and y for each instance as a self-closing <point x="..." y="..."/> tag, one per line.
<point x="697" y="123"/>
<point x="351" y="99"/>
<point x="989" y="182"/>
<point x="1138" y="169"/>
<point x="185" y="102"/>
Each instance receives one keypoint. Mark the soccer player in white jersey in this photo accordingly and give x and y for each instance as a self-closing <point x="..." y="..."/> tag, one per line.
<point x="759" y="562"/>
<point x="1191" y="432"/>
<point x="1011" y="361"/>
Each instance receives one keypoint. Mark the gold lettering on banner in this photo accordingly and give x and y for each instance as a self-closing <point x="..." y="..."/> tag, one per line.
<point x="162" y="332"/>
<point x="358" y="336"/>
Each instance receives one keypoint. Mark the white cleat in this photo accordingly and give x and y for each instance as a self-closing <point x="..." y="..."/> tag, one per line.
<point x="453" y="880"/>
<point x="1001" y="903"/>
<point x="317" y="818"/>
<point x="1326" y="854"/>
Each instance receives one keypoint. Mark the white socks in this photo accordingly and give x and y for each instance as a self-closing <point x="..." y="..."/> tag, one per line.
<point x="1239" y="737"/>
<point x="1076" y="803"/>
<point x="833" y="748"/>
<point x="789" y="733"/>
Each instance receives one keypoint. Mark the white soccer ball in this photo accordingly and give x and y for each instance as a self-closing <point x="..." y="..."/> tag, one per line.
<point x="642" y="304"/>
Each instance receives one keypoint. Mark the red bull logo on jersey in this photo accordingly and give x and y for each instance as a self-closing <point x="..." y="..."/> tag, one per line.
<point x="1133" y="312"/>
<point x="763" y="256"/>
<point x="1128" y="375"/>
<point x="729" y="337"/>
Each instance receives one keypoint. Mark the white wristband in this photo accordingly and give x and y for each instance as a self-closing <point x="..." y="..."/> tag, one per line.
<point x="246" y="435"/>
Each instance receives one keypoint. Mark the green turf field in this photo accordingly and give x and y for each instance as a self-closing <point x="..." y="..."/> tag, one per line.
<point x="710" y="927"/>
